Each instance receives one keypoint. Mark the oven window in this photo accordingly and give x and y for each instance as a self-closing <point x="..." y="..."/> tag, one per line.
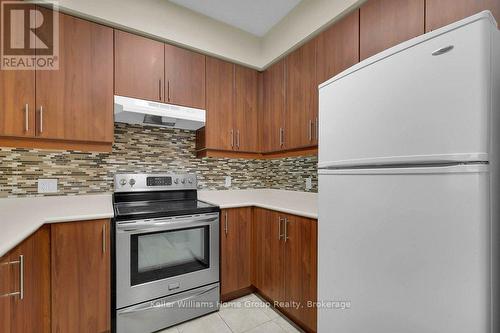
<point x="159" y="255"/>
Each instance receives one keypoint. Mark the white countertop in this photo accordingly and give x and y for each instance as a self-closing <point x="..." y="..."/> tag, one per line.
<point x="20" y="217"/>
<point x="292" y="202"/>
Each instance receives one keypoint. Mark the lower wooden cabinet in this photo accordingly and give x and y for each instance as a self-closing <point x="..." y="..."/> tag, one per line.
<point x="58" y="280"/>
<point x="235" y="236"/>
<point x="25" y="286"/>
<point x="80" y="277"/>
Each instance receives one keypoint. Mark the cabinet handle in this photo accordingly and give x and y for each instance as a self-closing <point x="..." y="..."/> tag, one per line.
<point x="168" y="90"/>
<point x="310" y="129"/>
<point x="232" y="138"/>
<point x="282" y="139"/>
<point x="286" y="229"/>
<point x="19" y="293"/>
<point x="443" y="50"/>
<point x="280" y="219"/>
<point x="26" y="117"/>
<point x="41" y="119"/>
<point x="104" y="238"/>
<point x="317" y="129"/>
<point x="159" y="89"/>
<point x="225" y="223"/>
<point x="238" y="139"/>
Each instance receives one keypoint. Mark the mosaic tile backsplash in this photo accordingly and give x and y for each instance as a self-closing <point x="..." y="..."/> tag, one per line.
<point x="145" y="149"/>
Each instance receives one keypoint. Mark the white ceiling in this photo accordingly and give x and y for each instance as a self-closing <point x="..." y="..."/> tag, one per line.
<point x="254" y="16"/>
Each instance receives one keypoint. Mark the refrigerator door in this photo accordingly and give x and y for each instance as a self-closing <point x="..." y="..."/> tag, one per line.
<point x="426" y="100"/>
<point x="405" y="250"/>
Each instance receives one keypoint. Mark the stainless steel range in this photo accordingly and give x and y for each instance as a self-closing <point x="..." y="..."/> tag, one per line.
<point x="166" y="252"/>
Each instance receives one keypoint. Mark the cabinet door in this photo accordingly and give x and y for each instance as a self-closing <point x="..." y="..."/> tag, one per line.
<point x="31" y="313"/>
<point x="17" y="102"/>
<point x="139" y="67"/>
<point x="338" y="47"/>
<point x="246" y="89"/>
<point x="185" y="77"/>
<point x="301" y="268"/>
<point x="385" y="23"/>
<point x="76" y="101"/>
<point x="235" y="249"/>
<point x="273" y="122"/>
<point x="5" y="288"/>
<point x="301" y="97"/>
<point x="80" y="276"/>
<point x="268" y="253"/>
<point x="439" y="13"/>
<point x="220" y="102"/>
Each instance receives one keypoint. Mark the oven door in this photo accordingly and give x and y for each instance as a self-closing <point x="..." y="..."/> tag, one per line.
<point x="164" y="256"/>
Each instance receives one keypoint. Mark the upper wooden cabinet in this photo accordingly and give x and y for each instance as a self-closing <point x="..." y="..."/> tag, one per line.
<point x="235" y="235"/>
<point x="273" y="112"/>
<point x="301" y="96"/>
<point x="338" y="47"/>
<point x="246" y="98"/>
<point x="81" y="288"/>
<point x="185" y="77"/>
<point x="385" y="23"/>
<point x="25" y="275"/>
<point x="139" y="67"/>
<point x="76" y="102"/>
<point x="219" y="132"/>
<point x="439" y="13"/>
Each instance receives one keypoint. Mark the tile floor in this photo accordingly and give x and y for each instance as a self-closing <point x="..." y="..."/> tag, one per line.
<point x="248" y="314"/>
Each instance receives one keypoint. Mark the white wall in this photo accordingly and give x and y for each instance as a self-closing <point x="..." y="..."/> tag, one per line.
<point x="166" y="21"/>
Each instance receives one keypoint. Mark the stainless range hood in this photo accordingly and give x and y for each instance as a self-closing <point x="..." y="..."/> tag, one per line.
<point x="137" y="111"/>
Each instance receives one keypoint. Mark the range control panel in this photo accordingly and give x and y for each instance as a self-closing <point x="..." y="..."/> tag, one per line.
<point x="135" y="182"/>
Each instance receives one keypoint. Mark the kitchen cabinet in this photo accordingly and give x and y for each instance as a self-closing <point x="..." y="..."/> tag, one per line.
<point x="68" y="108"/>
<point x="81" y="287"/>
<point x="385" y="23"/>
<point x="75" y="103"/>
<point x="268" y="253"/>
<point x="235" y="235"/>
<point x="185" y="77"/>
<point x="25" y="275"/>
<point x="273" y="113"/>
<point x="301" y="97"/>
<point x="219" y="132"/>
<point x="439" y="13"/>
<point x="246" y="88"/>
<point x="139" y="67"/>
<point x="301" y="268"/>
<point x="285" y="262"/>
<point x="338" y="47"/>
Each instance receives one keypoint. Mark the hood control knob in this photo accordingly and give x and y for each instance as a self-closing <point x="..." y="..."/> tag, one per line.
<point x="132" y="182"/>
<point x="123" y="182"/>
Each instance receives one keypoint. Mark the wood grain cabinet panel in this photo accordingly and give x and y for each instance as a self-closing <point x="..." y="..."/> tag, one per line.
<point x="439" y="13"/>
<point x="246" y="88"/>
<point x="139" y="67"/>
<point x="185" y="77"/>
<point x="235" y="235"/>
<point x="301" y="97"/>
<point x="385" y="23"/>
<point x="273" y="116"/>
<point x="219" y="131"/>
<point x="76" y="101"/>
<point x="338" y="47"/>
<point x="268" y="255"/>
<point x="80" y="276"/>
<point x="301" y="269"/>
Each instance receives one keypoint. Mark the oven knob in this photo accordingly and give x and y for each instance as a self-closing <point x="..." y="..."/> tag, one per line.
<point x="183" y="180"/>
<point x="190" y="181"/>
<point x="132" y="182"/>
<point x="123" y="182"/>
<point x="176" y="180"/>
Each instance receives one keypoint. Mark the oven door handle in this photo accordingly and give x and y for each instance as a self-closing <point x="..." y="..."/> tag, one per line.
<point x="166" y="225"/>
<point x="161" y="304"/>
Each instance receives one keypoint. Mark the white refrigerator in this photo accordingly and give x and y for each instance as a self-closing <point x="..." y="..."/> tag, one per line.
<point x="409" y="187"/>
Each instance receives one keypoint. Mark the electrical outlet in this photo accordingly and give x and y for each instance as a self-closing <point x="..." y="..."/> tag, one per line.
<point x="227" y="181"/>
<point x="309" y="184"/>
<point x="47" y="185"/>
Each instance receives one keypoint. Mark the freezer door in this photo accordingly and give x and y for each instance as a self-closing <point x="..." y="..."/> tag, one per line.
<point x="425" y="101"/>
<point x="404" y="251"/>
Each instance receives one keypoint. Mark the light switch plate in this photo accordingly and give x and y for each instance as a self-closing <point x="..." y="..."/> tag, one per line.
<point x="227" y="181"/>
<point x="47" y="185"/>
<point x="309" y="184"/>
